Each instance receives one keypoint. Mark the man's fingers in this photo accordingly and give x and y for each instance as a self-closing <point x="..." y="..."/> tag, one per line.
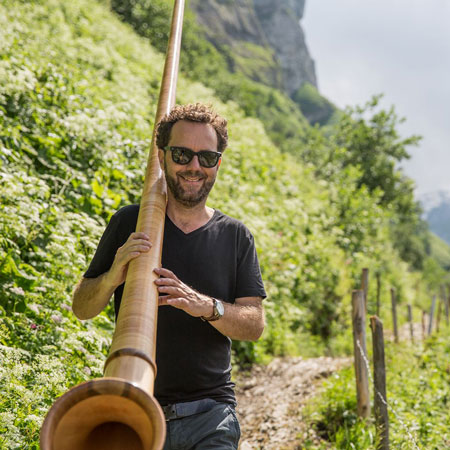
<point x="125" y="254"/>
<point x="138" y="247"/>
<point x="171" y="300"/>
<point x="177" y="302"/>
<point x="171" y="290"/>
<point x="138" y="235"/>
<point x="165" y="273"/>
<point x="141" y="242"/>
<point x="133" y="247"/>
<point x="167" y="282"/>
<point x="162" y="299"/>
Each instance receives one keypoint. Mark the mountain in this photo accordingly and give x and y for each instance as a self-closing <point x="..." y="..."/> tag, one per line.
<point x="264" y="40"/>
<point x="436" y="207"/>
<point x="266" y="32"/>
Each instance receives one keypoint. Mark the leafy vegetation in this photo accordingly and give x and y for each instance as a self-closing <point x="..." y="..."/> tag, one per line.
<point x="417" y="393"/>
<point x="78" y="90"/>
<point x="441" y="251"/>
<point x="315" y="108"/>
<point x="367" y="138"/>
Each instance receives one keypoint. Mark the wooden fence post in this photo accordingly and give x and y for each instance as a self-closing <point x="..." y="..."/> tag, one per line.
<point x="394" y="314"/>
<point x="424" y="314"/>
<point x="378" y="293"/>
<point x="411" y="324"/>
<point x="430" y="323"/>
<point x="360" y="351"/>
<point x="445" y="301"/>
<point x="438" y="317"/>
<point x="379" y="381"/>
<point x="365" y="285"/>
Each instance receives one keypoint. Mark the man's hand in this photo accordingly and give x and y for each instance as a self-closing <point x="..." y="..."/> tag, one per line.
<point x="136" y="244"/>
<point x="182" y="296"/>
<point x="91" y="295"/>
<point x="243" y="320"/>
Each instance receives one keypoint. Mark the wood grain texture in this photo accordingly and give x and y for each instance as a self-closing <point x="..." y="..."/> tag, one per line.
<point x="394" y="313"/>
<point x="107" y="413"/>
<point x="119" y="411"/>
<point x="379" y="380"/>
<point x="430" y="321"/>
<point x="137" y="321"/>
<point x="360" y="352"/>
<point x="411" y="323"/>
<point x="365" y="285"/>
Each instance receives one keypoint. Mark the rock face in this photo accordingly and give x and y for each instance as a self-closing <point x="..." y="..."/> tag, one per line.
<point x="264" y="38"/>
<point x="229" y="21"/>
<point x="280" y="21"/>
<point x="234" y="28"/>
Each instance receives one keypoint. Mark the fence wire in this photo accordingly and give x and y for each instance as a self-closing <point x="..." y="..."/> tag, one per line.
<point x="390" y="408"/>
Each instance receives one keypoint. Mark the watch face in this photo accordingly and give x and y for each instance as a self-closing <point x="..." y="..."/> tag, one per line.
<point x="220" y="308"/>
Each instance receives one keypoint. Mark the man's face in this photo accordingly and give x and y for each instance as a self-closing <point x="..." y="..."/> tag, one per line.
<point x="190" y="184"/>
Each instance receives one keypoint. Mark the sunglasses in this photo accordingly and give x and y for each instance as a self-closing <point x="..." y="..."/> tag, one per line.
<point x="183" y="156"/>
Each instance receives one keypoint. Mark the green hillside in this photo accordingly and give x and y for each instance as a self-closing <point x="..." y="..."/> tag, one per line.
<point x="441" y="251"/>
<point x="78" y="92"/>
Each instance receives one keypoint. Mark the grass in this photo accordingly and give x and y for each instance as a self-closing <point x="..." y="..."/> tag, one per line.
<point x="418" y="394"/>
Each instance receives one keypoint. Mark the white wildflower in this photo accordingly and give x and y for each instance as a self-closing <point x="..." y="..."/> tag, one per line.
<point x="17" y="290"/>
<point x="34" y="307"/>
<point x="56" y="318"/>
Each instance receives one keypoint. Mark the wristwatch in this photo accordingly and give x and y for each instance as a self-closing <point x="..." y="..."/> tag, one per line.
<point x="218" y="310"/>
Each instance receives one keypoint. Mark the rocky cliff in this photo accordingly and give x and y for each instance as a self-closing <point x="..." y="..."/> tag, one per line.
<point x="280" y="21"/>
<point x="263" y="38"/>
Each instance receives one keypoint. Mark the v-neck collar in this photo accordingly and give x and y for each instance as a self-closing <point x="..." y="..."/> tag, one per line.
<point x="197" y="230"/>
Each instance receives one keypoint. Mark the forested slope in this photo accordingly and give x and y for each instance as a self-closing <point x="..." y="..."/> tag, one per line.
<point x="78" y="92"/>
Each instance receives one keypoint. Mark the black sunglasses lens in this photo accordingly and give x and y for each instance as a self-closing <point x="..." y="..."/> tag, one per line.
<point x="208" y="159"/>
<point x="182" y="155"/>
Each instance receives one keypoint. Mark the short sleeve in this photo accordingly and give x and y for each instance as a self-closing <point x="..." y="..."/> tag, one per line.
<point x="106" y="250"/>
<point x="249" y="281"/>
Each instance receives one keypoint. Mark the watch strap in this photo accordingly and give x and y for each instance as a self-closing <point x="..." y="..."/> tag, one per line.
<point x="216" y="315"/>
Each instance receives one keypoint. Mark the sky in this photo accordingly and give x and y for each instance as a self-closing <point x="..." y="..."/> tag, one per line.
<point x="399" y="48"/>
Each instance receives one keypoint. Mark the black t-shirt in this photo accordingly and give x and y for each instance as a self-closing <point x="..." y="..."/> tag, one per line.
<point x="219" y="260"/>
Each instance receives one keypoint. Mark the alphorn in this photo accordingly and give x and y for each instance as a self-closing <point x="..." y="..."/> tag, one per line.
<point x="119" y="411"/>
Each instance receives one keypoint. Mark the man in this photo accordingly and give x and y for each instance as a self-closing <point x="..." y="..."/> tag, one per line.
<point x="210" y="284"/>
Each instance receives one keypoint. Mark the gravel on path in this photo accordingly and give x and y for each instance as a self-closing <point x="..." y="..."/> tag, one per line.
<point x="270" y="400"/>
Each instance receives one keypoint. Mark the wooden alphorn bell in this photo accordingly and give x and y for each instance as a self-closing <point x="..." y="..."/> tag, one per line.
<point x="119" y="410"/>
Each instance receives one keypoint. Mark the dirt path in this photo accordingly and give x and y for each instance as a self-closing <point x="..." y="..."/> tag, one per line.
<point x="270" y="400"/>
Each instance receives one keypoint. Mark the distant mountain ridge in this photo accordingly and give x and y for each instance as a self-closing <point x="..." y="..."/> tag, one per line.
<point x="436" y="207"/>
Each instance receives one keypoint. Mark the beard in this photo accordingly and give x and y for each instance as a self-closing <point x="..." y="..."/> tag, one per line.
<point x="185" y="197"/>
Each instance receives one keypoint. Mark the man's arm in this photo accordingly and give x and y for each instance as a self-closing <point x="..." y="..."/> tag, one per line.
<point x="91" y="295"/>
<point x="243" y="320"/>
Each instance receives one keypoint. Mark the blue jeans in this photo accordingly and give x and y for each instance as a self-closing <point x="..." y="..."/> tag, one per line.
<point x="217" y="428"/>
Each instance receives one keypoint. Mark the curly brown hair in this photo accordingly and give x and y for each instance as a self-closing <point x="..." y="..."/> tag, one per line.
<point x="196" y="112"/>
